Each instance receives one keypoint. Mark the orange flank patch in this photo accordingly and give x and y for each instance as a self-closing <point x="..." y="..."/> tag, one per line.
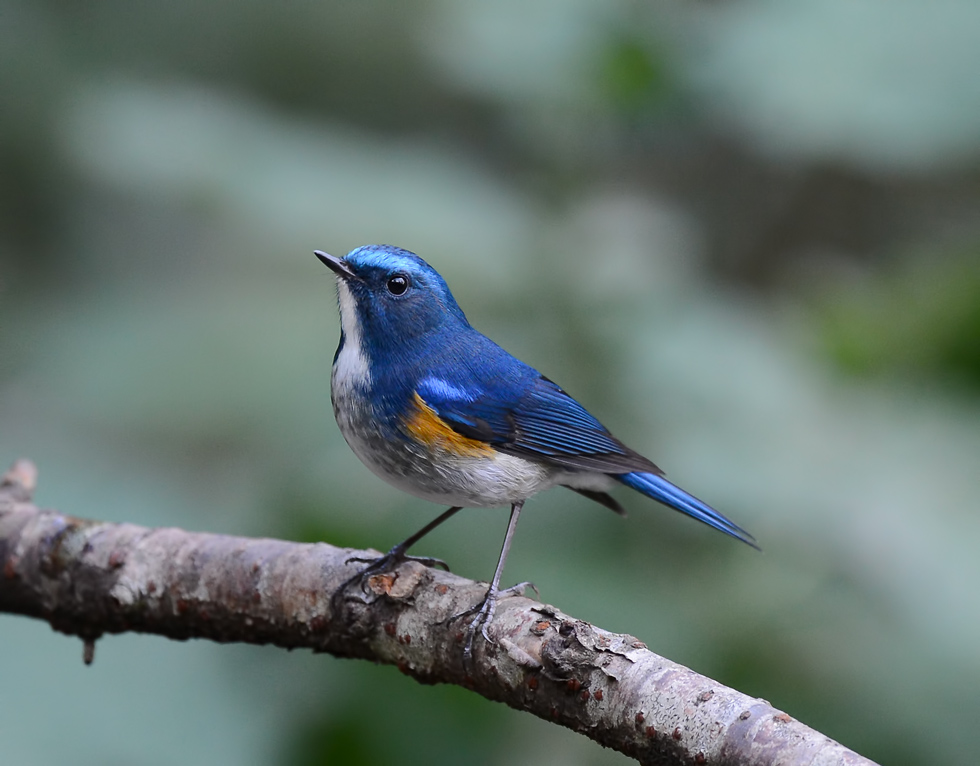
<point x="432" y="431"/>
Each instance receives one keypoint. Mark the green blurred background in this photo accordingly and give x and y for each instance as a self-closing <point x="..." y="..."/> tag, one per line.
<point x="745" y="234"/>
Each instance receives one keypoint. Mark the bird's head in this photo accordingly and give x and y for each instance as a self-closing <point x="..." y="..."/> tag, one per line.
<point x="388" y="296"/>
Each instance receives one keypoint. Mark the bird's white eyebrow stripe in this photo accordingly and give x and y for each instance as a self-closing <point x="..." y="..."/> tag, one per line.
<point x="444" y="389"/>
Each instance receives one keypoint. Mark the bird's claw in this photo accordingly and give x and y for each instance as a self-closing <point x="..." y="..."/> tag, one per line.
<point x="379" y="565"/>
<point x="519" y="589"/>
<point x="484" y="612"/>
<point x="391" y="559"/>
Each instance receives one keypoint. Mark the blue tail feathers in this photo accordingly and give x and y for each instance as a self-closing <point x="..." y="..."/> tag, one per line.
<point x="673" y="496"/>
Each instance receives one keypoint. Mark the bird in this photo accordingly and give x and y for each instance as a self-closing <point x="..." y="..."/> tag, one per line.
<point x="438" y="410"/>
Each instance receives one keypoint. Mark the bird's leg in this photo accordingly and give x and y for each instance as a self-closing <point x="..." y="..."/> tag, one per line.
<point x="485" y="609"/>
<point x="396" y="556"/>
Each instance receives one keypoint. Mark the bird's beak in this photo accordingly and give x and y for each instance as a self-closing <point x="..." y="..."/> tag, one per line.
<point x="337" y="265"/>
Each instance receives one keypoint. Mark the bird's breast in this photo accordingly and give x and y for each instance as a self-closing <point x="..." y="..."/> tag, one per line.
<point x="421" y="454"/>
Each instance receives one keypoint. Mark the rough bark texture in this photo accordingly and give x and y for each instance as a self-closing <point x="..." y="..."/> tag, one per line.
<point x="87" y="578"/>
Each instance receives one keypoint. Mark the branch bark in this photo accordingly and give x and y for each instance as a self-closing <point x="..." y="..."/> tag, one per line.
<point x="87" y="578"/>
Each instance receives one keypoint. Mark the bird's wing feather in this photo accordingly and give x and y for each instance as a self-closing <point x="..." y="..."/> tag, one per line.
<point x="538" y="421"/>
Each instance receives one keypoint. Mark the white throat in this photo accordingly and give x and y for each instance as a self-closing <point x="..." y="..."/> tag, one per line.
<point x="351" y="367"/>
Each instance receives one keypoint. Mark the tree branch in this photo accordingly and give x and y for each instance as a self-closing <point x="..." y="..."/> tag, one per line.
<point x="87" y="578"/>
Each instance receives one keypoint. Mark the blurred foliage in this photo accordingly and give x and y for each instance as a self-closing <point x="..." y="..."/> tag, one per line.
<point x="920" y="321"/>
<point x="381" y="721"/>
<point x="694" y="216"/>
<point x="633" y="76"/>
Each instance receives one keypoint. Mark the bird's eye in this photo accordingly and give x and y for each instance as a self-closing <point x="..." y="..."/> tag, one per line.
<point x="397" y="284"/>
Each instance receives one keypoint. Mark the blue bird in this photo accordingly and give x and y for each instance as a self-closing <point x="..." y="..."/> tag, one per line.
<point x="439" y="410"/>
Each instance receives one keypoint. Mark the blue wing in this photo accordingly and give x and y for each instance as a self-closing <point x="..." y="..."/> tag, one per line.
<point x="531" y="417"/>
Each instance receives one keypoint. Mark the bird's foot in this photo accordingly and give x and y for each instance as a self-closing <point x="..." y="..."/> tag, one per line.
<point x="377" y="566"/>
<point x="484" y="612"/>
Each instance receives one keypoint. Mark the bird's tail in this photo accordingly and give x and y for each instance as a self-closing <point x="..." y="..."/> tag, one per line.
<point x="673" y="496"/>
